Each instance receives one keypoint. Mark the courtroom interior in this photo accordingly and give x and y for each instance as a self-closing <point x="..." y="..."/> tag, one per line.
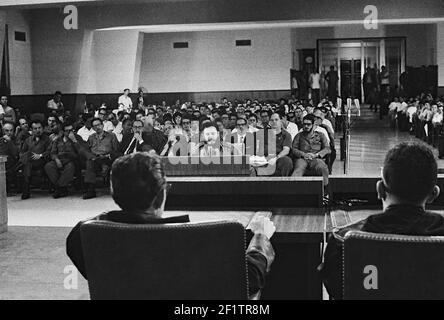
<point x="243" y="150"/>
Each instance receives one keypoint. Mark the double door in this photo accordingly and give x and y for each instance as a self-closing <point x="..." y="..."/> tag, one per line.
<point x="350" y="78"/>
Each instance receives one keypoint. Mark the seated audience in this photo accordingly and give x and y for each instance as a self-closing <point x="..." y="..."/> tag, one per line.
<point x="9" y="149"/>
<point x="138" y="186"/>
<point x="103" y="150"/>
<point x="87" y="130"/>
<point x="133" y="140"/>
<point x="33" y="154"/>
<point x="123" y="128"/>
<point x="288" y="126"/>
<point x="280" y="140"/>
<point x="265" y="120"/>
<point x="308" y="148"/>
<point x="408" y="183"/>
<point x="242" y="141"/>
<point x="153" y="138"/>
<point x="65" y="153"/>
<point x="7" y="113"/>
<point x="125" y="103"/>
<point x="55" y="105"/>
<point x="22" y="131"/>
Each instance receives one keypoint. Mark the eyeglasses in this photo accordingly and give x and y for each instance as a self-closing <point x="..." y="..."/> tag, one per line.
<point x="241" y="124"/>
<point x="137" y="127"/>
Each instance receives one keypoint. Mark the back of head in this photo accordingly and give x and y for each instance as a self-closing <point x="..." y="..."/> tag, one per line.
<point x="410" y="171"/>
<point x="138" y="181"/>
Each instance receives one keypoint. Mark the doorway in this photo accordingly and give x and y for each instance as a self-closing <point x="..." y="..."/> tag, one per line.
<point x="351" y="57"/>
<point x="350" y="76"/>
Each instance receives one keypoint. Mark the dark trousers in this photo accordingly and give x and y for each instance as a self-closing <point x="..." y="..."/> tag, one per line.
<point x="317" y="166"/>
<point x="94" y="166"/>
<point x="31" y="165"/>
<point x="60" y="177"/>
<point x="436" y="131"/>
<point x="284" y="166"/>
<point x="315" y="96"/>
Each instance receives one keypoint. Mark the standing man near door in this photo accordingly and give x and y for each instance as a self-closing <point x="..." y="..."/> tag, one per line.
<point x="315" y="86"/>
<point x="332" y="80"/>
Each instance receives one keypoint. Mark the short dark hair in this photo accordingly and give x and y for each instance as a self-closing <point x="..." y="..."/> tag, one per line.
<point x="209" y="125"/>
<point x="309" y="117"/>
<point x="410" y="171"/>
<point x="138" y="181"/>
<point x="264" y="111"/>
<point x="252" y="115"/>
<point x="127" y="120"/>
<point x="96" y="119"/>
<point x="36" y="121"/>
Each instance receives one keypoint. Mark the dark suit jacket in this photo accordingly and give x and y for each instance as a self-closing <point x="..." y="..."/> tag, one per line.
<point x="399" y="219"/>
<point x="260" y="253"/>
<point x="126" y="140"/>
<point x="156" y="139"/>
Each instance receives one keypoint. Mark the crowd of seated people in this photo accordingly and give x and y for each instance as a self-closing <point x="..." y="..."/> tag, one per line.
<point x="422" y="116"/>
<point x="295" y="137"/>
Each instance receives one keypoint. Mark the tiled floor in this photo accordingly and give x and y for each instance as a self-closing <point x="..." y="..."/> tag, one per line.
<point x="33" y="265"/>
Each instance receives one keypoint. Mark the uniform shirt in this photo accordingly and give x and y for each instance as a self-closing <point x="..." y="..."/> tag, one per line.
<point x="283" y="139"/>
<point x="313" y="142"/>
<point x="64" y="150"/>
<point x="104" y="145"/>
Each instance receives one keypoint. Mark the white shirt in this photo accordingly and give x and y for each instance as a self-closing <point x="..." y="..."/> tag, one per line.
<point x="437" y="117"/>
<point x="108" y="126"/>
<point x="403" y="107"/>
<point x="394" y="106"/>
<point x="54" y="105"/>
<point x="411" y="111"/>
<point x="315" y="80"/>
<point x="85" y="133"/>
<point x="292" y="129"/>
<point x="2" y="111"/>
<point x="250" y="129"/>
<point x="320" y="129"/>
<point x="328" y="124"/>
<point x="118" y="131"/>
<point x="126" y="101"/>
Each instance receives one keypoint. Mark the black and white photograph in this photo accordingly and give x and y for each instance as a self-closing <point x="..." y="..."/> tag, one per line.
<point x="221" y="156"/>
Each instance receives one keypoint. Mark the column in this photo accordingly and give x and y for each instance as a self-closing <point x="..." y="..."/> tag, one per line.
<point x="440" y="55"/>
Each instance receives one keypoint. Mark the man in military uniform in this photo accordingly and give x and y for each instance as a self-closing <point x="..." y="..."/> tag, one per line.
<point x="308" y="149"/>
